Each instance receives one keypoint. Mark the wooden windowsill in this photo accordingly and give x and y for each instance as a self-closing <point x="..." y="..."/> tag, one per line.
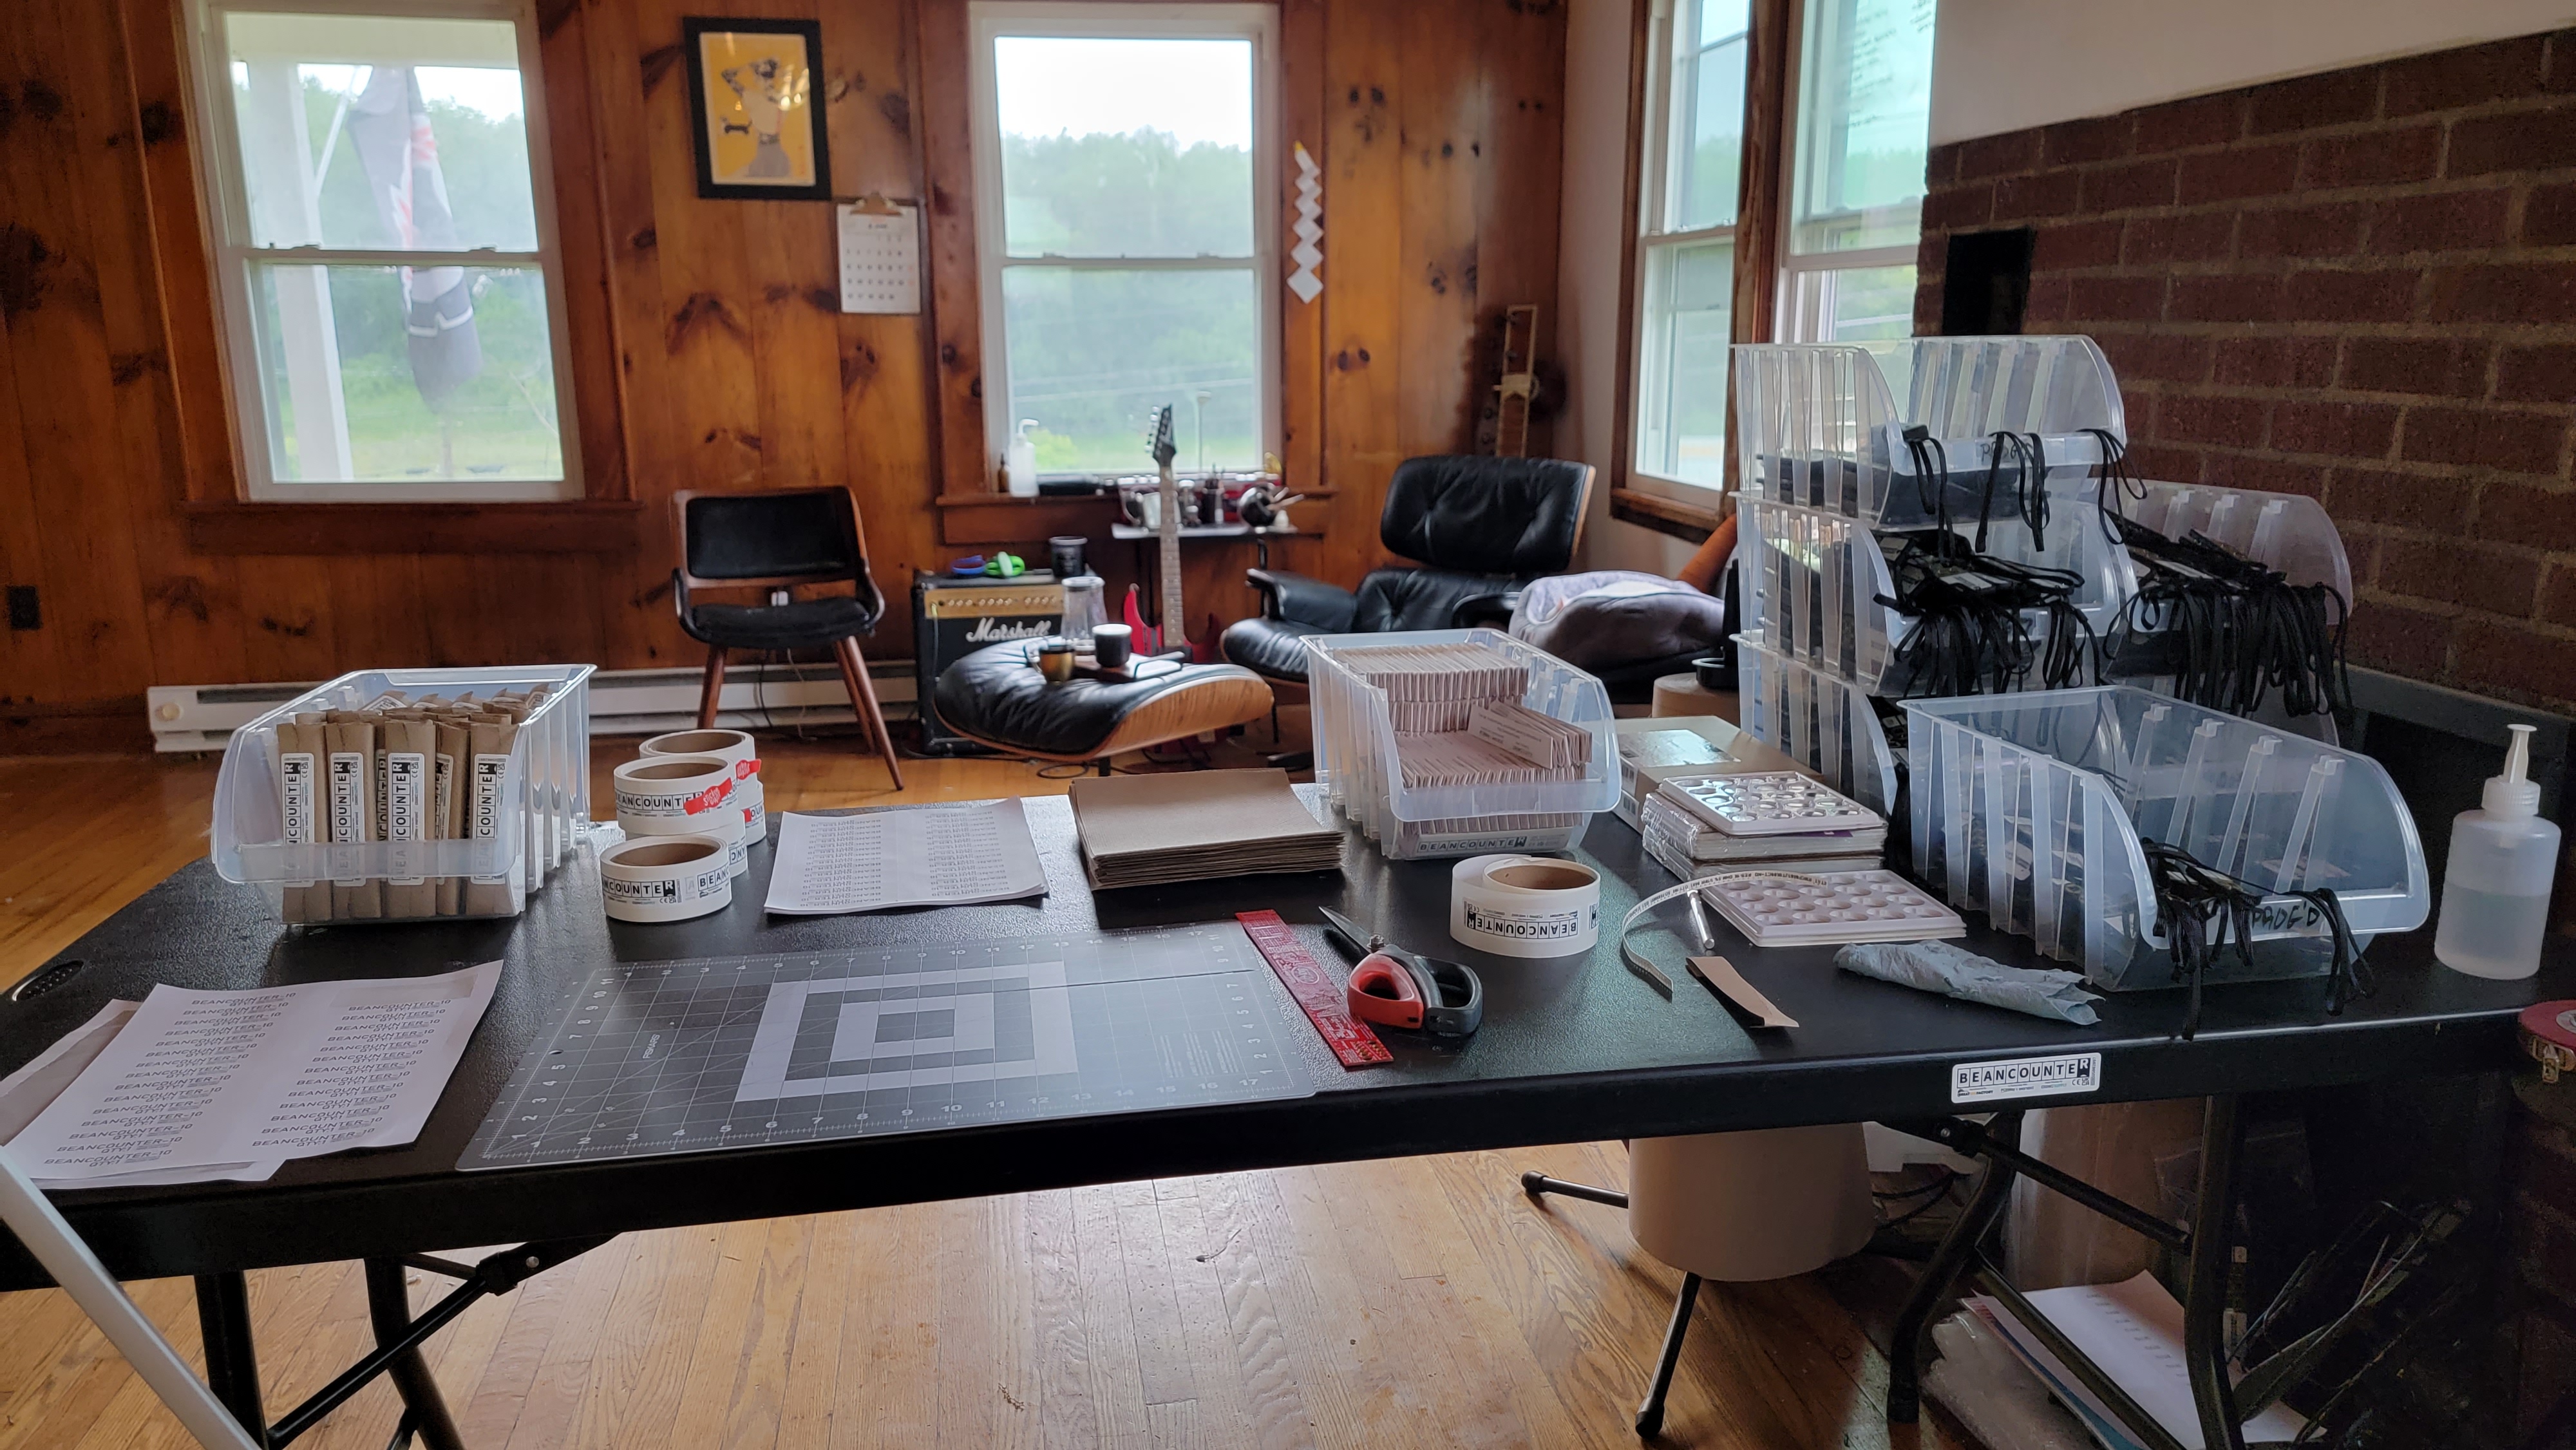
<point x="1001" y="518"/>
<point x="1012" y="500"/>
<point x="1665" y="516"/>
<point x="571" y="526"/>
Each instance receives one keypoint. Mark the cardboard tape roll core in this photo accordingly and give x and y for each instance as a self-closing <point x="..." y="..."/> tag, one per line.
<point x="666" y="795"/>
<point x="735" y="748"/>
<point x="664" y="878"/>
<point x="1524" y="906"/>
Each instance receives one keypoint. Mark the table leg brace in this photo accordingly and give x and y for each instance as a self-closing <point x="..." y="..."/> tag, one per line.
<point x="389" y="1310"/>
<point x="1949" y="1261"/>
<point x="2204" y="1304"/>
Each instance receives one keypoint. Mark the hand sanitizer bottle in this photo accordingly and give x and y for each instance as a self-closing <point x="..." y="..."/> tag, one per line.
<point x="2495" y="894"/>
<point x="1023" y="460"/>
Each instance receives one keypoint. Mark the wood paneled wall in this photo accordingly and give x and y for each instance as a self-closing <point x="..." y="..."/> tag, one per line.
<point x="709" y="349"/>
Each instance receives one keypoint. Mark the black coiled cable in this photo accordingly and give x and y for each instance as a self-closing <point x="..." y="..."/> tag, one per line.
<point x="2347" y="975"/>
<point x="2116" y="481"/>
<point x="1931" y="473"/>
<point x="2205" y="910"/>
<point x="1968" y="635"/>
<point x="2191" y="900"/>
<point x="2030" y="485"/>
<point x="2241" y="630"/>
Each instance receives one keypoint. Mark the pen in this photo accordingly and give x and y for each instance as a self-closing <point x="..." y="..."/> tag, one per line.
<point x="1699" y="924"/>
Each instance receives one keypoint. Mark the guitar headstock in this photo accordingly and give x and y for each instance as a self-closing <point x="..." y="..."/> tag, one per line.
<point x="1162" y="439"/>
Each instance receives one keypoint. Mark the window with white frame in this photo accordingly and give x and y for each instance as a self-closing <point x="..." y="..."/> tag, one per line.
<point x="1686" y="265"/>
<point x="1856" y="185"/>
<point x="383" y="231"/>
<point x="1124" y="163"/>
<point x="1845" y="223"/>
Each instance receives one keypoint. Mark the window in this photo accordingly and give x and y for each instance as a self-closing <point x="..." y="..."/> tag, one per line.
<point x="1688" y="246"/>
<point x="384" y="246"/>
<point x="1841" y="225"/>
<point x="1856" y="205"/>
<point x="1123" y="170"/>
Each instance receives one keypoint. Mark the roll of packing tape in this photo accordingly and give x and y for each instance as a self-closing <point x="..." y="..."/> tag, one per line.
<point x="727" y="827"/>
<point x="667" y="795"/>
<point x="1524" y="906"/>
<point x="734" y="747"/>
<point x="664" y="878"/>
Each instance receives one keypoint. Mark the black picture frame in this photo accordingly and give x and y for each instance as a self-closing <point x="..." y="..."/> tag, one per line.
<point x="693" y="32"/>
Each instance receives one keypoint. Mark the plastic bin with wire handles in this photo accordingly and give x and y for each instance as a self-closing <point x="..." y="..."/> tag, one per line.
<point x="1811" y="582"/>
<point x="1825" y="425"/>
<point x="1818" y="721"/>
<point x="2033" y="809"/>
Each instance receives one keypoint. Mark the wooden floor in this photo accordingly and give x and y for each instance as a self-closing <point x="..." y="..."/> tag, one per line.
<point x="1422" y="1302"/>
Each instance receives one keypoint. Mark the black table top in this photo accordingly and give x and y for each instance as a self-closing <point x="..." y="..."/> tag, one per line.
<point x="1571" y="1050"/>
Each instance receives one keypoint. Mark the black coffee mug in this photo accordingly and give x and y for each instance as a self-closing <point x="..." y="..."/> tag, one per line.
<point x="1713" y="673"/>
<point x="1109" y="646"/>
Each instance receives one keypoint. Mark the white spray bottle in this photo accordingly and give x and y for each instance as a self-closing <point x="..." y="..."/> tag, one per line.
<point x="1022" y="460"/>
<point x="2495" y="893"/>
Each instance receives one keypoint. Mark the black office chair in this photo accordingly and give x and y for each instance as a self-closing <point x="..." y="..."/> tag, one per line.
<point x="779" y="541"/>
<point x="1481" y="527"/>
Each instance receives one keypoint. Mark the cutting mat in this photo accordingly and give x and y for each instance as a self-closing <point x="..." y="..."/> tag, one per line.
<point x="709" y="1054"/>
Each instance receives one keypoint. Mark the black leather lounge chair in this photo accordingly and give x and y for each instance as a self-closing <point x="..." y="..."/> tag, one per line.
<point x="995" y="697"/>
<point x="1481" y="527"/>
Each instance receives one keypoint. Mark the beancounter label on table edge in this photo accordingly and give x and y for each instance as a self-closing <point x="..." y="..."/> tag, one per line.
<point x="2025" y="1077"/>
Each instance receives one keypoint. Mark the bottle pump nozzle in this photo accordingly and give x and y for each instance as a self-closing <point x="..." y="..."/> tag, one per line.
<point x="2514" y="793"/>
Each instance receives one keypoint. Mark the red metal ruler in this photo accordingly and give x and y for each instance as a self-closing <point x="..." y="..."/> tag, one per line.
<point x="1322" y="994"/>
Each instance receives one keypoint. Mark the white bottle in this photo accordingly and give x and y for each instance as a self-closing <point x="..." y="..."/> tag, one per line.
<point x="1023" y="460"/>
<point x="2495" y="894"/>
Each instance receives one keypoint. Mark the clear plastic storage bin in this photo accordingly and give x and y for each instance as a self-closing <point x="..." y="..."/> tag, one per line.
<point x="1356" y="763"/>
<point x="1811" y="580"/>
<point x="1824" y="724"/>
<point x="2285" y="531"/>
<point x="543" y="800"/>
<point x="2032" y="808"/>
<point x="1823" y="424"/>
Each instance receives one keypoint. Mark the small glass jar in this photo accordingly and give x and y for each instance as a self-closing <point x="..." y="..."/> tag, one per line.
<point x="1084" y="608"/>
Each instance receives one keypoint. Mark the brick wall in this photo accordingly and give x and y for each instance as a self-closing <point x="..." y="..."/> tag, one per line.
<point x="2360" y="286"/>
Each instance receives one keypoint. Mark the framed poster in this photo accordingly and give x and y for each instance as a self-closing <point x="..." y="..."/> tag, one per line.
<point x="755" y="95"/>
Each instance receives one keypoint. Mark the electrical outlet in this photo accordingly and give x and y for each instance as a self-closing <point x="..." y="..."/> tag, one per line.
<point x="24" y="612"/>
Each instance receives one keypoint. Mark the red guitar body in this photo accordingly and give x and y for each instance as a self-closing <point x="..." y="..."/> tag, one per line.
<point x="1144" y="638"/>
<point x="1149" y="639"/>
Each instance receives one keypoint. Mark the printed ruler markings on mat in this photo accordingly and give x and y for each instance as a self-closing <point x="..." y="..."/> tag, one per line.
<point x="1324" y="996"/>
<point x="704" y="1054"/>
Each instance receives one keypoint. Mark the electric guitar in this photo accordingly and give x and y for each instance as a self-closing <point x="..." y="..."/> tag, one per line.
<point x="1173" y="632"/>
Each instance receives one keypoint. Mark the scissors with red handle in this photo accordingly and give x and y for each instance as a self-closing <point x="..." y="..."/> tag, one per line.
<point x="1397" y="988"/>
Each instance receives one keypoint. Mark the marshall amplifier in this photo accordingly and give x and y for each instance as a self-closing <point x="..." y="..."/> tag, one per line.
<point x="953" y="618"/>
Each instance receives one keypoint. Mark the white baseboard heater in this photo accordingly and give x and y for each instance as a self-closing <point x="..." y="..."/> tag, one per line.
<point x="622" y="702"/>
